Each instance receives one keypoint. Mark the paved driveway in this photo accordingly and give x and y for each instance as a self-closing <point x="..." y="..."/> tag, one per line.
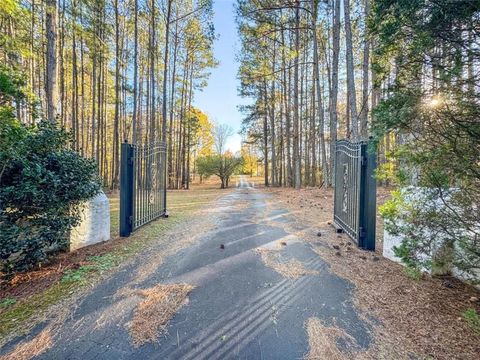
<point x="239" y="309"/>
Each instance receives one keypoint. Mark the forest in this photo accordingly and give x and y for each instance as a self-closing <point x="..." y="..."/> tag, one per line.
<point x="326" y="70"/>
<point x="314" y="70"/>
<point x="113" y="71"/>
<point x="307" y="64"/>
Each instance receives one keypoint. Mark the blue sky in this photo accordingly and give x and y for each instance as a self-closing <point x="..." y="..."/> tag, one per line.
<point x="219" y="99"/>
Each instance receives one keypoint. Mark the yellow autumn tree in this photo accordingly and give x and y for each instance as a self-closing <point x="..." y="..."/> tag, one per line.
<point x="203" y="138"/>
<point x="249" y="159"/>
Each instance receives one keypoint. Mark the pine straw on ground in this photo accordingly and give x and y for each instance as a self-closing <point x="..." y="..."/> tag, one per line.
<point x="322" y="341"/>
<point x="27" y="350"/>
<point x="323" y="344"/>
<point x="418" y="319"/>
<point x="291" y="269"/>
<point x="44" y="340"/>
<point x="153" y="314"/>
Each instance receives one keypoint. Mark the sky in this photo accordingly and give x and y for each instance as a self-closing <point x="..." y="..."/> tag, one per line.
<point x="219" y="100"/>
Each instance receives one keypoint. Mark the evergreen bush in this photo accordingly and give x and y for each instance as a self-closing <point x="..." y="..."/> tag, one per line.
<point x="42" y="183"/>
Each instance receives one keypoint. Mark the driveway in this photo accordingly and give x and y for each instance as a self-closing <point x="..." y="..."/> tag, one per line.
<point x="240" y="308"/>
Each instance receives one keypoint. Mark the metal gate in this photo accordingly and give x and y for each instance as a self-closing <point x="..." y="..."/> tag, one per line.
<point x="355" y="192"/>
<point x="143" y="194"/>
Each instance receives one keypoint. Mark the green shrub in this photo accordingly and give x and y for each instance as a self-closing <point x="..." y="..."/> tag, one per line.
<point x="439" y="230"/>
<point x="42" y="184"/>
<point x="413" y="273"/>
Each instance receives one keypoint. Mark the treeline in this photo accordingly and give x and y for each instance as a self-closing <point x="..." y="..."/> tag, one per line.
<point x="307" y="64"/>
<point x="113" y="71"/>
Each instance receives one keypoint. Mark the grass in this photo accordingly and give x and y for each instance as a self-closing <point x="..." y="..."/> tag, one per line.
<point x="7" y="302"/>
<point x="16" y="314"/>
<point x="23" y="311"/>
<point x="98" y="264"/>
<point x="473" y="320"/>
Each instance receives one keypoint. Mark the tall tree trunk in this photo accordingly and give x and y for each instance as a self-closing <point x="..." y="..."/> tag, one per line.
<point x="32" y="50"/>
<point x="116" y="120"/>
<point x="51" y="59"/>
<point x="74" y="115"/>
<point x="321" y="114"/>
<point x="165" y="71"/>
<point x="82" y="90"/>
<point x="313" y="136"/>
<point x="188" y="138"/>
<point x="296" y="115"/>
<point x="265" y="140"/>
<point x="286" y="99"/>
<point x="93" y="94"/>
<point x="365" y="82"/>
<point x="61" y="57"/>
<point x="180" y="126"/>
<point x="135" y="75"/>
<point x="272" y="122"/>
<point x="152" y="74"/>
<point x="352" y="97"/>
<point x="172" y="108"/>
<point x="334" y="87"/>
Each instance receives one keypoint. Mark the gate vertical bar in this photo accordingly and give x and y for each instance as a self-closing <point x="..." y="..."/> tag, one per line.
<point x="126" y="190"/>
<point x="368" y="195"/>
<point x="165" y="181"/>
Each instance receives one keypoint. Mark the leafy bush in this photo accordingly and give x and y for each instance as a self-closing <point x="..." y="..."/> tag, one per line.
<point x="413" y="273"/>
<point x="12" y="85"/>
<point x="438" y="228"/>
<point x="42" y="184"/>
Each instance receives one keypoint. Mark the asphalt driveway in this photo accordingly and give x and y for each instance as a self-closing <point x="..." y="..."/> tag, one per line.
<point x="239" y="309"/>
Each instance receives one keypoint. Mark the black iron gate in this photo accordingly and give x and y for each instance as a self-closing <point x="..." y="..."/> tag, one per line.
<point x="143" y="192"/>
<point x="355" y="192"/>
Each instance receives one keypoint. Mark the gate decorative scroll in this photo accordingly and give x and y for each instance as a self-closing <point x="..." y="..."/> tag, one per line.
<point x="355" y="192"/>
<point x="142" y="185"/>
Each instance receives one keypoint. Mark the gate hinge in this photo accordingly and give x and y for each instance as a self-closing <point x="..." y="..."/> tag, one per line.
<point x="361" y="232"/>
<point x="364" y="160"/>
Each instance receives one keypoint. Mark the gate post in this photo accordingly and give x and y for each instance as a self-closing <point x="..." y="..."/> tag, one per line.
<point x="368" y="199"/>
<point x="165" y="181"/>
<point x="126" y="189"/>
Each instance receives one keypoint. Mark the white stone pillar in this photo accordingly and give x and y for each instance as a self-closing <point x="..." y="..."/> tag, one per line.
<point x="94" y="226"/>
